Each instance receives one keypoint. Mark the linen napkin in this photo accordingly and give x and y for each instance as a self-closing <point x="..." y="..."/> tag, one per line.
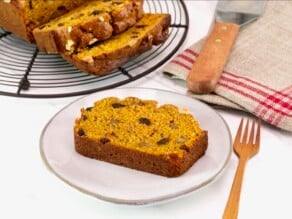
<point x="258" y="75"/>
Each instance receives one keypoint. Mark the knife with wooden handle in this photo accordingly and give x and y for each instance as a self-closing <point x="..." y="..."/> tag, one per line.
<point x="230" y="16"/>
<point x="207" y="69"/>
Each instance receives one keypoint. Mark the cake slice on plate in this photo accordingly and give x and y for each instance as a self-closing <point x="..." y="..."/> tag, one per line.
<point x="140" y="134"/>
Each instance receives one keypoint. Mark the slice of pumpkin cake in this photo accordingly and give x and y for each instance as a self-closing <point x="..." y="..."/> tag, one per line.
<point x="140" y="134"/>
<point x="92" y="22"/>
<point x="103" y="57"/>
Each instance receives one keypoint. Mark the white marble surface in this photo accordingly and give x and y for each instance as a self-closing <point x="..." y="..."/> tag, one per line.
<point x="29" y="190"/>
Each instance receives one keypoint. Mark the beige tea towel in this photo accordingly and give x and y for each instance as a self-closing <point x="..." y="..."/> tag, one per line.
<point x="258" y="75"/>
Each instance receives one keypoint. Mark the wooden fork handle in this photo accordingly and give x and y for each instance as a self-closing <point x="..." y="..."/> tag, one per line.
<point x="231" y="210"/>
<point x="209" y="65"/>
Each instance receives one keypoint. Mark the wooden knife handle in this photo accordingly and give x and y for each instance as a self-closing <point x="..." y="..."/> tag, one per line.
<point x="209" y="65"/>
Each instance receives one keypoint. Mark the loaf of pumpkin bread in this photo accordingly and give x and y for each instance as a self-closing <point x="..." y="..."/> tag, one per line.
<point x="103" y="57"/>
<point x="140" y="134"/>
<point x="91" y="22"/>
<point x="22" y="16"/>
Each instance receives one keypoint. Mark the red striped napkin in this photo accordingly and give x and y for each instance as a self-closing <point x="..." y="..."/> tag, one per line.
<point x="258" y="75"/>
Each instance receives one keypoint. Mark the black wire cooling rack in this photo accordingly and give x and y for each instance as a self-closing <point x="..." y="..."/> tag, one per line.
<point x="25" y="72"/>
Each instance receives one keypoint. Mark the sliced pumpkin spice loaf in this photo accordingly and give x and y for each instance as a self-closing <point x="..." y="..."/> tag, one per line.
<point x="140" y="134"/>
<point x="103" y="57"/>
<point x="92" y="22"/>
<point x="21" y="16"/>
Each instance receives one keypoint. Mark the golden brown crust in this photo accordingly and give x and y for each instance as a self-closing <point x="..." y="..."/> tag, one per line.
<point x="170" y="166"/>
<point x="97" y="27"/>
<point x="113" y="57"/>
<point x="127" y="16"/>
<point x="12" y="18"/>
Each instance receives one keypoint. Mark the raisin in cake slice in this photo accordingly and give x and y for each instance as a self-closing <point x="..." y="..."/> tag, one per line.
<point x="90" y="23"/>
<point x="103" y="57"/>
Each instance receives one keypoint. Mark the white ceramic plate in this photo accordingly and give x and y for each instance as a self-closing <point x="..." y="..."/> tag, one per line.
<point x="122" y="185"/>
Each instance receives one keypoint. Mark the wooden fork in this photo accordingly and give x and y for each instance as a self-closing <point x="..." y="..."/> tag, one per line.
<point x="244" y="148"/>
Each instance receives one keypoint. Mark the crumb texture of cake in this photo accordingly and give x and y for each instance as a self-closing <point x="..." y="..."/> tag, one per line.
<point x="92" y="22"/>
<point x="140" y="134"/>
<point x="22" y="16"/>
<point x="101" y="58"/>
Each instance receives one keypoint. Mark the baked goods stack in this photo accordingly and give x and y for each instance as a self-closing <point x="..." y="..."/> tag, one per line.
<point x="96" y="36"/>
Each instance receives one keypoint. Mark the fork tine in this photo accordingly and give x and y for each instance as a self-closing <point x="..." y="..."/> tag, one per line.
<point x="245" y="134"/>
<point x="238" y="134"/>
<point x="251" y="137"/>
<point x="258" y="135"/>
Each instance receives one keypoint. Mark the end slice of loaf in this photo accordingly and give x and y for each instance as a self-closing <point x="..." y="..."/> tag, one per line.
<point x="102" y="58"/>
<point x="140" y="134"/>
<point x="92" y="22"/>
<point x="21" y="16"/>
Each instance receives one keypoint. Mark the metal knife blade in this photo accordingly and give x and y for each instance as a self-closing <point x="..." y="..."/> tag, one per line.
<point x="230" y="16"/>
<point x="240" y="12"/>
